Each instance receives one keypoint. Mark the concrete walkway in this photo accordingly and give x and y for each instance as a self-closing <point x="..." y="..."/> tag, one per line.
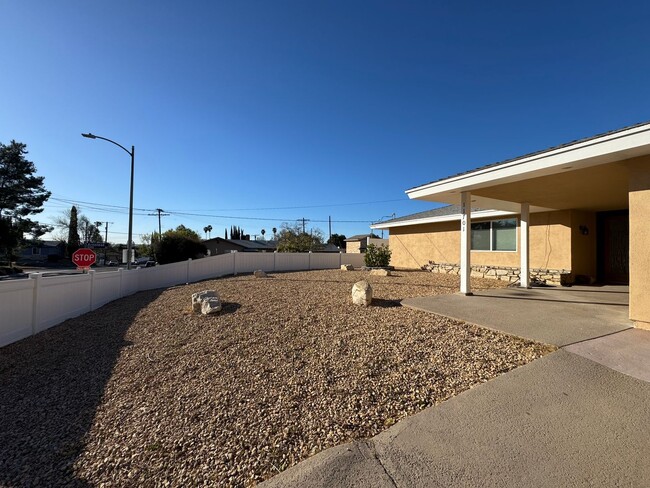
<point x="577" y="417"/>
<point x="552" y="315"/>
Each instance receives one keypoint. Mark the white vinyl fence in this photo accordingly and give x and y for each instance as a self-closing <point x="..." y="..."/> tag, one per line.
<point x="29" y="306"/>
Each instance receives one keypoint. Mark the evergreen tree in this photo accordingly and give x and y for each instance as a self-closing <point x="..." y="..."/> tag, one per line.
<point x="21" y="194"/>
<point x="73" y="232"/>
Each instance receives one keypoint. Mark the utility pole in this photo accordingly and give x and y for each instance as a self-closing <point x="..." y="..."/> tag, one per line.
<point x="330" y="221"/>
<point x="105" y="237"/>
<point x="160" y="213"/>
<point x="304" y="220"/>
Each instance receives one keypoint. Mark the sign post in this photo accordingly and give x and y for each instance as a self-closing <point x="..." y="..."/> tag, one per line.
<point x="84" y="258"/>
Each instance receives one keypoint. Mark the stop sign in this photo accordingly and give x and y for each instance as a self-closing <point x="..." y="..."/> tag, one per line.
<point x="84" y="258"/>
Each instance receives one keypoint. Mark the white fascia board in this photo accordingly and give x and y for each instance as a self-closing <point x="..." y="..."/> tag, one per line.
<point x="606" y="149"/>
<point x="480" y="214"/>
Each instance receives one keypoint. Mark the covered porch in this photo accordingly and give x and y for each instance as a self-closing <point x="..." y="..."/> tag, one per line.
<point x="604" y="182"/>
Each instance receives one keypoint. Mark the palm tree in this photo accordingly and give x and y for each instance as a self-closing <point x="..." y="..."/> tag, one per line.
<point x="205" y="229"/>
<point x="209" y="229"/>
<point x="263" y="232"/>
<point x="275" y="230"/>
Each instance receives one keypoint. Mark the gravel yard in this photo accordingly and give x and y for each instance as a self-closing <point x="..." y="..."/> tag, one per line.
<point x="144" y="393"/>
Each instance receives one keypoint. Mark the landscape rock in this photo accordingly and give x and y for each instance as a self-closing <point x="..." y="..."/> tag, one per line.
<point x="198" y="297"/>
<point x="380" y="272"/>
<point x="260" y="274"/>
<point x="362" y="293"/>
<point x="347" y="267"/>
<point x="210" y="305"/>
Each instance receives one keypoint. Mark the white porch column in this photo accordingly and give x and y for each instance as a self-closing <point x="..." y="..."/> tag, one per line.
<point x="465" y="241"/>
<point x="524" y="243"/>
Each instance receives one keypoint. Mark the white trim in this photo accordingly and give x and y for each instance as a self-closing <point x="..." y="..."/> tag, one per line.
<point x="479" y="214"/>
<point x="524" y="240"/>
<point x="465" y="242"/>
<point x="613" y="147"/>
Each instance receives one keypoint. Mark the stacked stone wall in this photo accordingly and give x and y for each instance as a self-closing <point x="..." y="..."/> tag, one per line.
<point x="504" y="273"/>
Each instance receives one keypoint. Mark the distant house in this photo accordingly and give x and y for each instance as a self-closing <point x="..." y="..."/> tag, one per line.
<point x="219" y="245"/>
<point x="359" y="243"/>
<point x="42" y="251"/>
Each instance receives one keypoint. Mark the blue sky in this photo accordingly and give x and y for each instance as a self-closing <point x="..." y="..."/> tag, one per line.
<point x="252" y="113"/>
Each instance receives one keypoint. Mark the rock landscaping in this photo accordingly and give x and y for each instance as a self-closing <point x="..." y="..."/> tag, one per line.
<point x="145" y="392"/>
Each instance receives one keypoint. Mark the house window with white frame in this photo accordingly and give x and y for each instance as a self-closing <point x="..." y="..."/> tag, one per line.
<point x="495" y="235"/>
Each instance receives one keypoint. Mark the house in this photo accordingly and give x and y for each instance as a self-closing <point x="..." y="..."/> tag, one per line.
<point x="219" y="245"/>
<point x="42" y="251"/>
<point x="572" y="212"/>
<point x="359" y="243"/>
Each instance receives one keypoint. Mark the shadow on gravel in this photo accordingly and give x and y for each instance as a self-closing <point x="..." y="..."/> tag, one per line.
<point x="50" y="387"/>
<point x="380" y="302"/>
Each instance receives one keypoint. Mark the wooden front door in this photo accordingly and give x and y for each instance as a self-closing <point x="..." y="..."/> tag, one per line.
<point x="614" y="247"/>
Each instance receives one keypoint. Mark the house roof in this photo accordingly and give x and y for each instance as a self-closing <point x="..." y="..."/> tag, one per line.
<point x="536" y="153"/>
<point x="358" y="237"/>
<point x="584" y="174"/>
<point x="443" y="214"/>
<point x="252" y="244"/>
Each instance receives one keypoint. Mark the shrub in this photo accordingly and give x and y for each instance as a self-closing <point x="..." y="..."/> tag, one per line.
<point x="377" y="256"/>
<point x="174" y="247"/>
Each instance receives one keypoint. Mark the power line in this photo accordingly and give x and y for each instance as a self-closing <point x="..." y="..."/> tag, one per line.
<point x="160" y="214"/>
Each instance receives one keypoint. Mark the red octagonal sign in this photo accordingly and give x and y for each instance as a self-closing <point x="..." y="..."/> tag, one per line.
<point x="84" y="258"/>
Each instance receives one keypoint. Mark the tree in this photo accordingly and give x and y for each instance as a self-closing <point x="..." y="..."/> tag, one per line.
<point x="21" y="194"/>
<point x="275" y="231"/>
<point x="209" y="228"/>
<point x="73" y="232"/>
<point x="293" y="239"/>
<point x="263" y="231"/>
<point x="225" y="233"/>
<point x="88" y="231"/>
<point x="205" y="229"/>
<point x="338" y="240"/>
<point x="179" y="245"/>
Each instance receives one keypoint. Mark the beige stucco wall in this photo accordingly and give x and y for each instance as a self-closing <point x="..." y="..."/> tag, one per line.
<point x="639" y="201"/>
<point x="550" y="244"/>
<point x="353" y="247"/>
<point x="583" y="246"/>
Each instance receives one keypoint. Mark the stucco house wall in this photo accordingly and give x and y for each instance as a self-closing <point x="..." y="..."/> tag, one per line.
<point x="551" y="237"/>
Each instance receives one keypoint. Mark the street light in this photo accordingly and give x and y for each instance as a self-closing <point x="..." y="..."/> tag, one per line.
<point x="129" y="246"/>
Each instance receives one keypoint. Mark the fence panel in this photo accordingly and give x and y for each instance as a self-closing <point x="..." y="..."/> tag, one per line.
<point x="163" y="276"/>
<point x="106" y="288"/>
<point x="247" y="262"/>
<point x="325" y="260"/>
<point x="355" y="259"/>
<point x="16" y="305"/>
<point x="286" y="261"/>
<point x="130" y="281"/>
<point x="61" y="298"/>
<point x="211" y="267"/>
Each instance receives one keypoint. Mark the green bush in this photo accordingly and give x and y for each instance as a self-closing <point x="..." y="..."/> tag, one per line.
<point x="377" y="257"/>
<point x="174" y="247"/>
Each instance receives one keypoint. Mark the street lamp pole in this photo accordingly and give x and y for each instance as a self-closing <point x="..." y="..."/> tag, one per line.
<point x="129" y="245"/>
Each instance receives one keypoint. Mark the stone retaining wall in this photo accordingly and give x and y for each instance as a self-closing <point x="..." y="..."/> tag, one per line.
<point x="504" y="273"/>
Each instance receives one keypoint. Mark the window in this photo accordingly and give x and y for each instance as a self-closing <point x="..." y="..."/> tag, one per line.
<point x="497" y="235"/>
<point x="36" y="250"/>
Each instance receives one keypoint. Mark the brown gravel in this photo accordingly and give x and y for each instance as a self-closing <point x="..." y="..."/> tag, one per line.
<point x="144" y="393"/>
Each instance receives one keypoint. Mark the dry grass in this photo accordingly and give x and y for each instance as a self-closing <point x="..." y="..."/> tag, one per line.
<point x="143" y="392"/>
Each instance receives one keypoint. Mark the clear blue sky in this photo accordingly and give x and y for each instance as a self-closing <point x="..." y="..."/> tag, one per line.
<point x="240" y="108"/>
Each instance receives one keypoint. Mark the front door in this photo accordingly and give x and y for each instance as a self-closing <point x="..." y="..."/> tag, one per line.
<point x="614" y="247"/>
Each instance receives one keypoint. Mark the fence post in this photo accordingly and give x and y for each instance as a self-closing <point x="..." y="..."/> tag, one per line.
<point x="275" y="253"/>
<point x="37" y="286"/>
<point x="121" y="272"/>
<point x="91" y="274"/>
<point x="340" y="259"/>
<point x="234" y="263"/>
<point x="309" y="261"/>
<point x="189" y="262"/>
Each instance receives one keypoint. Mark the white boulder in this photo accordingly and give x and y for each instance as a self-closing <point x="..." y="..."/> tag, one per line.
<point x="380" y="272"/>
<point x="259" y="274"/>
<point x="210" y="305"/>
<point x="347" y="267"/>
<point x="200" y="296"/>
<point x="362" y="293"/>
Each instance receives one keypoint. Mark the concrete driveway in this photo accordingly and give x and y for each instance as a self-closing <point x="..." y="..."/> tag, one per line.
<point x="577" y="417"/>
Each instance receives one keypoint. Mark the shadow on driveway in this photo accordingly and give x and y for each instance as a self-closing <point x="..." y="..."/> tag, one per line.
<point x="51" y="385"/>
